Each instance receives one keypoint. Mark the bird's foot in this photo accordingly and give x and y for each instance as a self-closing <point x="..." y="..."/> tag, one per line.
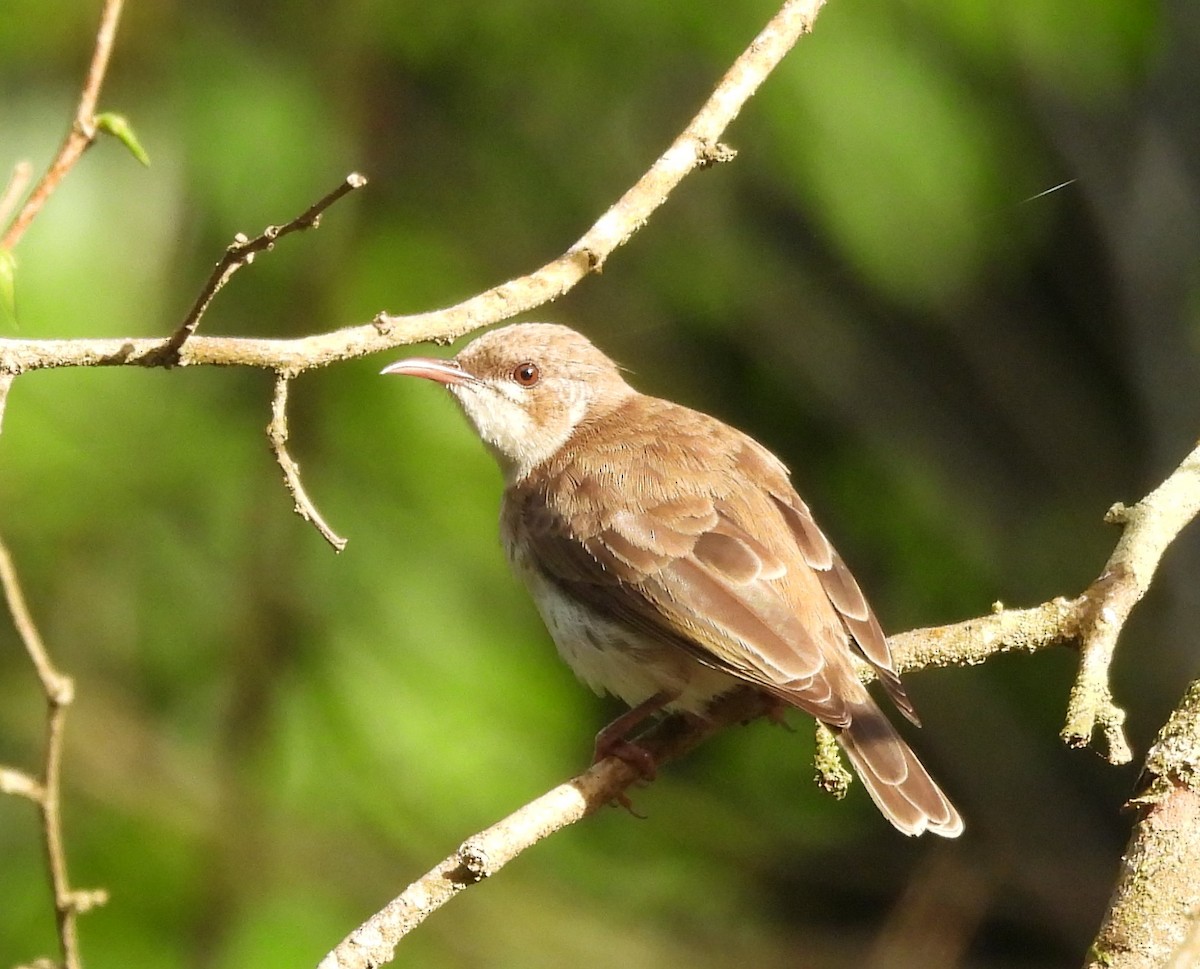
<point x="611" y="742"/>
<point x="640" y="759"/>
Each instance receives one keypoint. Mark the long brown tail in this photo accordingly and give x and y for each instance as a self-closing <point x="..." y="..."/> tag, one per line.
<point x="898" y="784"/>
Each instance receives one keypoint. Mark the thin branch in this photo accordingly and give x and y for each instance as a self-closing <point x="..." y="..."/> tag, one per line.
<point x="482" y="855"/>
<point x="697" y="146"/>
<point x="82" y="133"/>
<point x="1152" y="920"/>
<point x="58" y="688"/>
<point x="241" y="252"/>
<point x="1161" y="516"/>
<point x="277" y="434"/>
<point x="47" y="792"/>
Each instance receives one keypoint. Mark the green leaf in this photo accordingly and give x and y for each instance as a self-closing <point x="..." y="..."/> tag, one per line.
<point x="119" y="127"/>
<point x="8" y="286"/>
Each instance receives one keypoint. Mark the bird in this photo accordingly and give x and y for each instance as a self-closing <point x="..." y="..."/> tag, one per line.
<point x="672" y="560"/>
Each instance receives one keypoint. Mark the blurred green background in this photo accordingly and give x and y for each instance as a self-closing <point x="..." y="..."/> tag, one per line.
<point x="270" y="740"/>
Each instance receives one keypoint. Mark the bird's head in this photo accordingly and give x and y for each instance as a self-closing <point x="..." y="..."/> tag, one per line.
<point x="526" y="388"/>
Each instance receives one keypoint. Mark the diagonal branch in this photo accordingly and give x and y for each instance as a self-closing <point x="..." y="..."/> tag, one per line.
<point x="482" y="855"/>
<point x="83" y="130"/>
<point x="697" y="146"/>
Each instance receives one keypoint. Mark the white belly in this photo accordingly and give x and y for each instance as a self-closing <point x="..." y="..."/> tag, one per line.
<point x="612" y="658"/>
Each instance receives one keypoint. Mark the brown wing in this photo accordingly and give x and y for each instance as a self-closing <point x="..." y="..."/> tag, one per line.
<point x="739" y="576"/>
<point x="846" y="597"/>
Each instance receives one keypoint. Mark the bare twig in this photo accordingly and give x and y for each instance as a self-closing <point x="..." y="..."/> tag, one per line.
<point x="241" y="252"/>
<point x="277" y="434"/>
<point x="47" y="792"/>
<point x="1149" y="527"/>
<point x="1057" y="622"/>
<point x="83" y="130"/>
<point x="1151" y="922"/>
<point x="695" y="147"/>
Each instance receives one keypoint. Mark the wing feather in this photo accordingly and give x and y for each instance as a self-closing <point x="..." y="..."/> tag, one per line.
<point x="743" y="579"/>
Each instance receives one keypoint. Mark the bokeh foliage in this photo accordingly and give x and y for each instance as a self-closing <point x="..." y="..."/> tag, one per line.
<point x="270" y="740"/>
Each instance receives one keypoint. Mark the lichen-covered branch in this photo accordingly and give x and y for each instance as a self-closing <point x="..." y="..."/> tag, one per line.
<point x="1092" y="621"/>
<point x="1149" y="527"/>
<point x="1152" y="920"/>
<point x="973" y="641"/>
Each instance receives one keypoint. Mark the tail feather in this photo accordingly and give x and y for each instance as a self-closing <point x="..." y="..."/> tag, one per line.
<point x="897" y="782"/>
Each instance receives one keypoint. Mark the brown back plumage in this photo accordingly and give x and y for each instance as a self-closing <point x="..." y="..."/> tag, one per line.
<point x="691" y="533"/>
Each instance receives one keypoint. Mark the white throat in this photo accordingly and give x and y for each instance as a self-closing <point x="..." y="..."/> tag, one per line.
<point x="501" y="416"/>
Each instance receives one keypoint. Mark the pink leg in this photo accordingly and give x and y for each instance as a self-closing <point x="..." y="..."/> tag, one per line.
<point x="611" y="742"/>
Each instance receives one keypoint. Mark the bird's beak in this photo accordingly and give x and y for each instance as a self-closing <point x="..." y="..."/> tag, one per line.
<point x="446" y="372"/>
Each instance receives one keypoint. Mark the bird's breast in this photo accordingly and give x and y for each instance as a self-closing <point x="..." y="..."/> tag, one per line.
<point x="609" y="656"/>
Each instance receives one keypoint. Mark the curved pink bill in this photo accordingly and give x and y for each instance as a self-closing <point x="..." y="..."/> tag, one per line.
<point x="443" y="371"/>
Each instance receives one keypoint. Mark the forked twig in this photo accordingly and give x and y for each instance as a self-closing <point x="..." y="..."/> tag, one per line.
<point x="241" y="252"/>
<point x="1149" y="527"/>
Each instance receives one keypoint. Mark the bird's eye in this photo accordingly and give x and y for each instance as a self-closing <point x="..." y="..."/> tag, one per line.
<point x="526" y="374"/>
